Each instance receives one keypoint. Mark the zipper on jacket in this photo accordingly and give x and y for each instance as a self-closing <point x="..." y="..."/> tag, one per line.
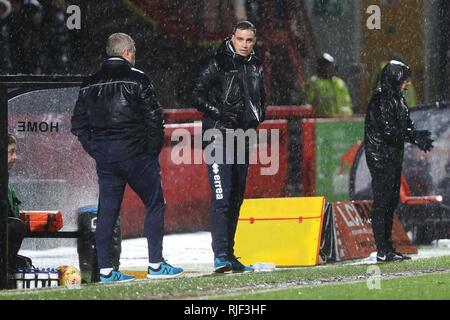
<point x="229" y="89"/>
<point x="252" y="106"/>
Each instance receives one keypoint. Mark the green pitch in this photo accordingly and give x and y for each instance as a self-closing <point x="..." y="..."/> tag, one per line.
<point x="422" y="287"/>
<point x="418" y="279"/>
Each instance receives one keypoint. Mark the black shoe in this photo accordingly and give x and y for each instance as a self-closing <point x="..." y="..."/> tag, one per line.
<point x="388" y="256"/>
<point x="23" y="262"/>
<point x="404" y="257"/>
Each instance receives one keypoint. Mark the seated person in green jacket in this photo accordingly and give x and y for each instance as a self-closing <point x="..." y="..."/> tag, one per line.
<point x="16" y="227"/>
<point x="327" y="93"/>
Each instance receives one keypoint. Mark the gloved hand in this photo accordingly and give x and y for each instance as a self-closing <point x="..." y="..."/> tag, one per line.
<point x="422" y="138"/>
<point x="230" y="114"/>
<point x="212" y="111"/>
<point x="421" y="134"/>
<point x="228" y="120"/>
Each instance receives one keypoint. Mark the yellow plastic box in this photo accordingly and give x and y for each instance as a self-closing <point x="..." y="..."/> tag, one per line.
<point x="285" y="231"/>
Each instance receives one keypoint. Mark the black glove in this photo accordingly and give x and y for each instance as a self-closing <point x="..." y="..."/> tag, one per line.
<point x="227" y="120"/>
<point x="211" y="111"/>
<point x="230" y="114"/>
<point x="422" y="134"/>
<point x="422" y="138"/>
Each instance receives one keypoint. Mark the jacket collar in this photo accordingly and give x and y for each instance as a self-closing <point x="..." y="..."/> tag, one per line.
<point x="115" y="61"/>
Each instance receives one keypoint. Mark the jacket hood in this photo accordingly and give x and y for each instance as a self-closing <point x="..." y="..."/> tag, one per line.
<point x="393" y="75"/>
<point x="226" y="48"/>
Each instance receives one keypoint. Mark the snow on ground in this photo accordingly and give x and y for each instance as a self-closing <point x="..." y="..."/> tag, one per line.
<point x="188" y="250"/>
<point x="191" y="251"/>
<point x="423" y="252"/>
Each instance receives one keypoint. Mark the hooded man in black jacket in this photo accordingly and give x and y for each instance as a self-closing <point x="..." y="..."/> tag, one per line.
<point x="230" y="94"/>
<point x="119" y="122"/>
<point x="387" y="127"/>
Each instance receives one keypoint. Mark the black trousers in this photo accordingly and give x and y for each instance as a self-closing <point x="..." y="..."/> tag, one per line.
<point x="143" y="176"/>
<point x="16" y="233"/>
<point x="227" y="180"/>
<point x="386" y="195"/>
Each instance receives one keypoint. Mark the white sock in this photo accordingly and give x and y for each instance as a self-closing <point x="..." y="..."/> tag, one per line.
<point x="105" y="271"/>
<point x="154" y="265"/>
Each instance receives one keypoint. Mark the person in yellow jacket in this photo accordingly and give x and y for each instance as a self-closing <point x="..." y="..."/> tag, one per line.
<point x="327" y="93"/>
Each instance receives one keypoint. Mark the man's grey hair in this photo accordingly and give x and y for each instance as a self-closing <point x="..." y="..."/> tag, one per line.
<point x="11" y="139"/>
<point x="117" y="44"/>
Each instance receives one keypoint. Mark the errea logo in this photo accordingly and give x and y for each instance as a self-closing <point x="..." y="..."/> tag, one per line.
<point x="217" y="182"/>
<point x="215" y="168"/>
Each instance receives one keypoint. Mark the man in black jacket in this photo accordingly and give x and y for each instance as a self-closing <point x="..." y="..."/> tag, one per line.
<point x="119" y="122"/>
<point x="230" y="94"/>
<point x="387" y="127"/>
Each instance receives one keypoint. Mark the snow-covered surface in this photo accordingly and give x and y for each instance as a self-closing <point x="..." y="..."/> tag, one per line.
<point x="423" y="252"/>
<point x="191" y="251"/>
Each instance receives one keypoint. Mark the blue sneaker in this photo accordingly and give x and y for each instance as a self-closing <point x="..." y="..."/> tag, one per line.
<point x="237" y="266"/>
<point x="165" y="271"/>
<point x="116" y="276"/>
<point x="222" y="265"/>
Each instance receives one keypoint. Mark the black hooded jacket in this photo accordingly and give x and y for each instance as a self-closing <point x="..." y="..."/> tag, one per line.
<point x="117" y="116"/>
<point x="388" y="124"/>
<point x="227" y="78"/>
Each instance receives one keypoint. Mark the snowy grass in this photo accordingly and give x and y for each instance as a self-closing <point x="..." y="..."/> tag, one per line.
<point x="212" y="286"/>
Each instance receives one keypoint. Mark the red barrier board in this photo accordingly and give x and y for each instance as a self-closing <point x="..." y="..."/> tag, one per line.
<point x="272" y="113"/>
<point x="270" y="186"/>
<point x="354" y="236"/>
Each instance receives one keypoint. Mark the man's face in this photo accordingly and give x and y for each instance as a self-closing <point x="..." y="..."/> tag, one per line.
<point x="12" y="156"/>
<point x="405" y="85"/>
<point x="243" y="42"/>
<point x="130" y="56"/>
